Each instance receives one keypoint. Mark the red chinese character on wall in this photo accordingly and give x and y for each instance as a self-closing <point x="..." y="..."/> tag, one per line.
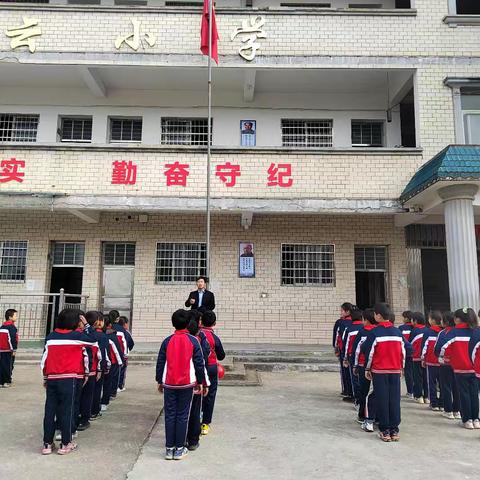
<point x="176" y="173"/>
<point x="9" y="170"/>
<point x="280" y="175"/>
<point x="124" y="173"/>
<point x="228" y="173"/>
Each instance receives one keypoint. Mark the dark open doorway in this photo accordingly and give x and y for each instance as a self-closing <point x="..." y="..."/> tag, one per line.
<point x="370" y="288"/>
<point x="436" y="293"/>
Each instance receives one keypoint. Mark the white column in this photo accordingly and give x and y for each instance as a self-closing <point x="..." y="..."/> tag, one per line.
<point x="461" y="245"/>
<point x="458" y="116"/>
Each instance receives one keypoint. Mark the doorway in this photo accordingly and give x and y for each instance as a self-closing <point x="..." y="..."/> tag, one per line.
<point x="370" y="275"/>
<point x="436" y="292"/>
<point x="118" y="277"/>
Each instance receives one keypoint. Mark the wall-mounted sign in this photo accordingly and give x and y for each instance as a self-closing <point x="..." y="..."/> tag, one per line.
<point x="248" y="133"/>
<point x="246" y="260"/>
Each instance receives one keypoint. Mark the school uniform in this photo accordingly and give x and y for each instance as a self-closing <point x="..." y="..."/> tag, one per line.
<point x="216" y="353"/>
<point x="8" y="345"/>
<point x="116" y="361"/>
<point x="406" y="330"/>
<point x="455" y="351"/>
<point x="195" y="418"/>
<point x="105" y="365"/>
<point x="433" y="365"/>
<point x="366" y="402"/>
<point x="64" y="366"/>
<point x="385" y="351"/>
<point x="345" y="378"/>
<point x="180" y="367"/>
<point x="420" y="382"/>
<point x="448" y="385"/>
<point x="126" y="343"/>
<point x="349" y="339"/>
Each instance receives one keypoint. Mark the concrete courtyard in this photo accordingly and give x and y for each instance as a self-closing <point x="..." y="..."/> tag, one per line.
<point x="294" y="426"/>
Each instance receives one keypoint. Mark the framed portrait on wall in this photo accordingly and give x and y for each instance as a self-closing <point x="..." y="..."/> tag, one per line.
<point x="246" y="260"/>
<point x="248" y="133"/>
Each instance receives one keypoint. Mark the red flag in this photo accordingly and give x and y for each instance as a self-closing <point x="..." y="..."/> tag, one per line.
<point x="204" y="32"/>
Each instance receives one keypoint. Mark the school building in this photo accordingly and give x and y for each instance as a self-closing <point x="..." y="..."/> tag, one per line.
<point x="343" y="160"/>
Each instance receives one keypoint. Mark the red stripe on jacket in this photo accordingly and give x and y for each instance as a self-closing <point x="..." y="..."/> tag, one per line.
<point x="455" y="350"/>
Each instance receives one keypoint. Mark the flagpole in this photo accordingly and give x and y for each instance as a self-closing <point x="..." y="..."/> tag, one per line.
<point x="209" y="128"/>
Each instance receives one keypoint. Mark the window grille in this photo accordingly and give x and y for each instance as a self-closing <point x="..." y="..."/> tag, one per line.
<point x="18" y="127"/>
<point x="307" y="133"/>
<point x="180" y="262"/>
<point x="367" y="134"/>
<point x="125" y="129"/>
<point x="184" y="131"/>
<point x="119" y="254"/>
<point x="370" y="259"/>
<point x="68" y="254"/>
<point x="76" y="129"/>
<point x="13" y="260"/>
<point x="308" y="264"/>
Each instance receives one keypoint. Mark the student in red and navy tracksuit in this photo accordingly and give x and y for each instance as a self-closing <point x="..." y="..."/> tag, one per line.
<point x="217" y="353"/>
<point x="406" y="330"/>
<point x="180" y="370"/>
<point x="8" y="347"/>
<point x="126" y="343"/>
<point x="195" y="420"/>
<point x="366" y="407"/>
<point x="455" y="351"/>
<point x="349" y="336"/>
<point x="474" y="351"/>
<point x="64" y="367"/>
<point x="97" y="323"/>
<point x="448" y="386"/>
<point x="420" y="383"/>
<point x="385" y="351"/>
<point x="341" y="324"/>
<point x="430" y="360"/>
<point x="116" y="361"/>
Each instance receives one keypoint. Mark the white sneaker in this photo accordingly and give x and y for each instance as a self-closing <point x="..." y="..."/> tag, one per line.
<point x="448" y="415"/>
<point x="104" y="408"/>
<point x="468" y="425"/>
<point x="367" y="426"/>
<point x="426" y="400"/>
<point x="58" y="436"/>
<point x="409" y="395"/>
<point x="122" y="389"/>
<point x="457" y="415"/>
<point x="435" y="409"/>
<point x="75" y="435"/>
<point x="420" y="400"/>
<point x="476" y="424"/>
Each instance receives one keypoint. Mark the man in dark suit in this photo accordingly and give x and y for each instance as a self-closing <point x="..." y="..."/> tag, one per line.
<point x="201" y="299"/>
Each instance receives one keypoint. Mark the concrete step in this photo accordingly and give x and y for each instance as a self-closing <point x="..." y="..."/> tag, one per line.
<point x="292" y="367"/>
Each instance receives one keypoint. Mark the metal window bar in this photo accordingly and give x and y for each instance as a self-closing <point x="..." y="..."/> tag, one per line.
<point x="68" y="254"/>
<point x="180" y="262"/>
<point x="427" y="236"/>
<point x="308" y="264"/>
<point x="18" y="127"/>
<point x="307" y="133"/>
<point x="76" y="129"/>
<point x="185" y="131"/>
<point x="125" y="130"/>
<point x="370" y="259"/>
<point x="119" y="253"/>
<point x="367" y="134"/>
<point x="13" y="260"/>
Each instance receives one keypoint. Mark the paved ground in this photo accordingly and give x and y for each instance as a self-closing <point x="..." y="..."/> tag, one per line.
<point x="293" y="427"/>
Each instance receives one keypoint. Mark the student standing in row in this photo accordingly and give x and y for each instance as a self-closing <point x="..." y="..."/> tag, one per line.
<point x="8" y="347"/>
<point x="420" y="384"/>
<point x="406" y="330"/>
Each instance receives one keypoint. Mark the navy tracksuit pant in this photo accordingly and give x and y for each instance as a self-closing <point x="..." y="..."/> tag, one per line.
<point x="209" y="400"/>
<point x="387" y="400"/>
<point x="420" y="382"/>
<point x="60" y="404"/>
<point x="6" y="367"/>
<point x="448" y="389"/>
<point x="122" y="376"/>
<point x="408" y="370"/>
<point x="108" y="383"/>
<point x="97" y="395"/>
<point x="468" y="392"/>
<point x="346" y="380"/>
<point x="433" y="376"/>
<point x="366" y="408"/>
<point x="76" y="405"/>
<point x="176" y="405"/>
<point x="355" y="384"/>
<point x="115" y="380"/>
<point x="86" y="399"/>
<point x="194" y="422"/>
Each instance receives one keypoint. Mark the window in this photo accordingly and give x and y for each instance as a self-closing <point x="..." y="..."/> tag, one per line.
<point x="468" y="7"/>
<point x="76" y="129"/>
<point x="68" y="254"/>
<point x="367" y="134"/>
<point x="125" y="129"/>
<point x="371" y="259"/>
<point x="307" y="133"/>
<point x="184" y="131"/>
<point x="180" y="262"/>
<point x="13" y="260"/>
<point x="308" y="265"/>
<point x="119" y="254"/>
<point x="18" y="127"/>
<point x="472" y="128"/>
